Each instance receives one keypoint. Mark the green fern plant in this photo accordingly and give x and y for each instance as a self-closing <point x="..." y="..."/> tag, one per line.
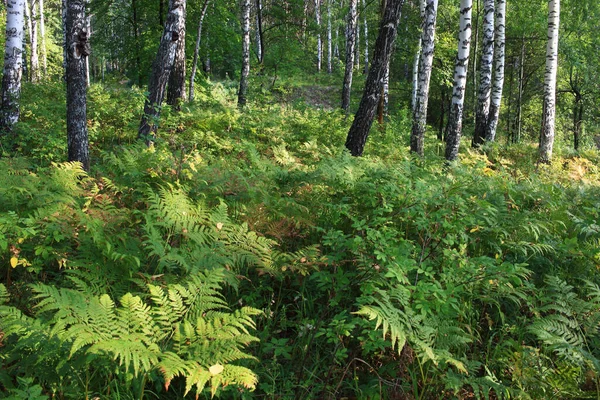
<point x="186" y="236"/>
<point x="568" y="323"/>
<point x="179" y="330"/>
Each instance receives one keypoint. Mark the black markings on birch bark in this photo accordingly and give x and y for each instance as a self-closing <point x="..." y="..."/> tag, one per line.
<point x="485" y="81"/>
<point x="77" y="52"/>
<point x="454" y="129"/>
<point x="13" y="65"/>
<point x="547" y="135"/>
<point x="424" y="76"/>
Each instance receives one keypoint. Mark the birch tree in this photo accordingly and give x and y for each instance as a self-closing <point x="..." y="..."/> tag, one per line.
<point x="43" y="39"/>
<point x="499" y="61"/>
<point x="319" y="41"/>
<point x="485" y="80"/>
<point x="350" y="43"/>
<point x="329" y="39"/>
<point x="13" y="65"/>
<point x="415" y="79"/>
<point x="366" y="37"/>
<point x="260" y="45"/>
<point x="161" y="68"/>
<point x="176" y="86"/>
<point x="34" y="60"/>
<point x="454" y="129"/>
<point x="78" y="49"/>
<point x="547" y="136"/>
<point x="197" y="49"/>
<point x="359" y="131"/>
<point x="424" y="77"/>
<point x="245" y="53"/>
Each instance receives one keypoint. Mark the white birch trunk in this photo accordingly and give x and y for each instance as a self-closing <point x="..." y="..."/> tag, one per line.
<point x="547" y="137"/>
<point x="460" y="80"/>
<point x="13" y="65"/>
<point x="366" y="38"/>
<point x="43" y="39"/>
<point x="499" y="60"/>
<point x="197" y="51"/>
<point x="87" y="59"/>
<point x="485" y="80"/>
<point x="27" y="39"/>
<point x="329" y="39"/>
<point x="357" y="45"/>
<point x="319" y="41"/>
<point x="176" y="85"/>
<point x="415" y="77"/>
<point x="350" y="43"/>
<point x="258" y="36"/>
<point x="245" y="53"/>
<point x="34" y="61"/>
<point x="424" y="77"/>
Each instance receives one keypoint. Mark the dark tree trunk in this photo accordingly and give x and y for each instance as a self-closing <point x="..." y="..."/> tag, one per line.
<point x="13" y="65"/>
<point x="78" y="49"/>
<point x="577" y="120"/>
<point x="161" y="69"/>
<point x="161" y="12"/>
<point x="176" y="87"/>
<point x="197" y="49"/>
<point x="359" y="131"/>
<point x="243" y="91"/>
<point x="350" y="43"/>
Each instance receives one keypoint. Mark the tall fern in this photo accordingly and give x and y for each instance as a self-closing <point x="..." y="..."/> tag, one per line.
<point x="179" y="330"/>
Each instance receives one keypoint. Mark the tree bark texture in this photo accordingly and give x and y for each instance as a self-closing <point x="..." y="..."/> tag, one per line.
<point x="197" y="49"/>
<point x="499" y="61"/>
<point x="485" y="80"/>
<point x="417" y="136"/>
<point x="359" y="131"/>
<point x="78" y="49"/>
<point x="547" y="136"/>
<point x="176" y="87"/>
<point x="319" y="40"/>
<point x="243" y="91"/>
<point x="350" y="43"/>
<point x="455" y="116"/>
<point x="13" y="65"/>
<point x="382" y="107"/>
<point x="161" y="69"/>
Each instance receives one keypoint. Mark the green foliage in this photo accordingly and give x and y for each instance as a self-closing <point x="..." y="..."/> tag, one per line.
<point x="364" y="277"/>
<point x="182" y="330"/>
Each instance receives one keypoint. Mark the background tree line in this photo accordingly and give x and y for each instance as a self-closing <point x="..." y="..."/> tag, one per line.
<point x="325" y="37"/>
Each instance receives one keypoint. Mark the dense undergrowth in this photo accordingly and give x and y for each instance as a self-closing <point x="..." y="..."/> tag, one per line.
<point x="248" y="255"/>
